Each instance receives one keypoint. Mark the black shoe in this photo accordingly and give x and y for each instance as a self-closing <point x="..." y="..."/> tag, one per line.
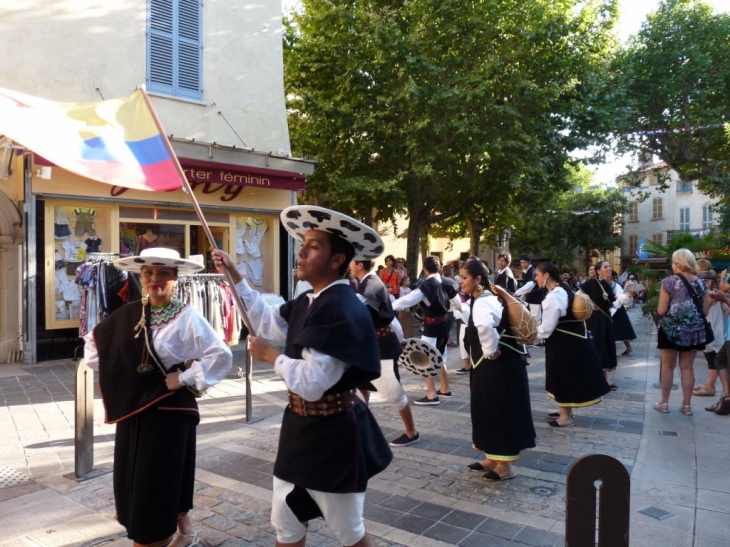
<point x="446" y="395"/>
<point x="462" y="371"/>
<point x="425" y="401"/>
<point x="405" y="440"/>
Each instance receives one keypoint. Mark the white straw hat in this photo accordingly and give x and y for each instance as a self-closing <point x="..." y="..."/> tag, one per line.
<point x="160" y="256"/>
<point x="420" y="357"/>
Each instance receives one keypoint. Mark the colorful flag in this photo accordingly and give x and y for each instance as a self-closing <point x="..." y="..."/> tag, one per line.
<point x="115" y="141"/>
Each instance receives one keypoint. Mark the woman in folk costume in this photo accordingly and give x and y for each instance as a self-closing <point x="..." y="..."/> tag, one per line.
<point x="500" y="396"/>
<point x="152" y="356"/>
<point x="600" y="322"/>
<point x="623" y="330"/>
<point x="573" y="374"/>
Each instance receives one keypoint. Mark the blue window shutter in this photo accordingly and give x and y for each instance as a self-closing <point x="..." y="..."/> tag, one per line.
<point x="174" y="48"/>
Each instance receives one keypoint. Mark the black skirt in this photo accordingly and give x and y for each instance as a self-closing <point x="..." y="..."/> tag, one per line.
<point x="663" y="342"/>
<point x="573" y="374"/>
<point x="501" y="416"/>
<point x="603" y="339"/>
<point x="154" y="472"/>
<point x="623" y="330"/>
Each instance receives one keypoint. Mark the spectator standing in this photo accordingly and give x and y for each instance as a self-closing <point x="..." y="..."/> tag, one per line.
<point x="683" y="304"/>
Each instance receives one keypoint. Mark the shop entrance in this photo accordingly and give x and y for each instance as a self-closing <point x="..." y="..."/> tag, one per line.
<point x="199" y="244"/>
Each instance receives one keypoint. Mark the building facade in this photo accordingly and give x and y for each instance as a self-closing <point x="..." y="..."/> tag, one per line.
<point x="214" y="72"/>
<point x="660" y="208"/>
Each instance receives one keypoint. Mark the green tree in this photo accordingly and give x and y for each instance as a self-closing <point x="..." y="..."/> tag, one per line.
<point x="432" y="109"/>
<point x="674" y="74"/>
<point x="584" y="220"/>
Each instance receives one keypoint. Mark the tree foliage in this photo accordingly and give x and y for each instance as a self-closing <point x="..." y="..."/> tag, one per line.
<point x="674" y="74"/>
<point x="434" y="109"/>
<point x="584" y="220"/>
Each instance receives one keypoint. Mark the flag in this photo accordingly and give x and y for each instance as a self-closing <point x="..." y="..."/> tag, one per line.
<point x="116" y="141"/>
<point x="640" y="251"/>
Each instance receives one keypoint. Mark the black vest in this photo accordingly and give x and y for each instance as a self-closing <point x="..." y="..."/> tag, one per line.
<point x="336" y="453"/>
<point x="381" y="310"/>
<point x="124" y="390"/>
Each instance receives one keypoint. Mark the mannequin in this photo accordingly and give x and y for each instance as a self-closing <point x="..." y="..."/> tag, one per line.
<point x="148" y="240"/>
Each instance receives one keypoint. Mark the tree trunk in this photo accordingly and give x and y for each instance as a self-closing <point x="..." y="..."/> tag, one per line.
<point x="476" y="229"/>
<point x="416" y="222"/>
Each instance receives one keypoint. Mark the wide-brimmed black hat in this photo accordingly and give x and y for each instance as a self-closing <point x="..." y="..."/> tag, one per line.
<point x="299" y="219"/>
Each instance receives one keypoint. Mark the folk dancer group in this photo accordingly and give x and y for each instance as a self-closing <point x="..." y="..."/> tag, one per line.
<point x="336" y="342"/>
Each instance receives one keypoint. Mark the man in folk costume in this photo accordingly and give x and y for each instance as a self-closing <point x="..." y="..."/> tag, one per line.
<point x="437" y="298"/>
<point x="375" y="296"/>
<point x="505" y="278"/>
<point x="330" y="444"/>
<point x="530" y="291"/>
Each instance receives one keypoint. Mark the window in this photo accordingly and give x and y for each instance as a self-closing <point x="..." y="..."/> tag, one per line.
<point x="658" y="238"/>
<point x="684" y="219"/>
<point x="684" y="186"/>
<point x="655" y="178"/>
<point x="633" y="213"/>
<point x="175" y="48"/>
<point x="707" y="216"/>
<point x="656" y="211"/>
<point x="633" y="244"/>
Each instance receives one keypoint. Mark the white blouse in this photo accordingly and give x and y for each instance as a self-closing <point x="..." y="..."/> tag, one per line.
<point x="487" y="313"/>
<point x="188" y="336"/>
<point x="308" y="377"/>
<point x="554" y="307"/>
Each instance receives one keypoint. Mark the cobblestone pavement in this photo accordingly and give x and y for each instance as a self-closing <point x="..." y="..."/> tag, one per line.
<point x="427" y="497"/>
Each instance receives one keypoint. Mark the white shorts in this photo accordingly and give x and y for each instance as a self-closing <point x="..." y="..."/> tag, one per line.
<point x="342" y="512"/>
<point x="432" y="340"/>
<point x="389" y="387"/>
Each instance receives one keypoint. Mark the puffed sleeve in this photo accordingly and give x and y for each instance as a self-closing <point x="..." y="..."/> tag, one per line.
<point x="487" y="314"/>
<point x="554" y="307"/>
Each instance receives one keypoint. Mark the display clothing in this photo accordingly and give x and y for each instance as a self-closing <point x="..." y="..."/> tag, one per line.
<point x="600" y="323"/>
<point x="148" y="241"/>
<point x="330" y="348"/>
<point x="154" y="451"/>
<point x="93" y="244"/>
<point x="84" y="221"/>
<point x="623" y="330"/>
<point x="61" y="229"/>
<point x="573" y="375"/>
<point x="252" y="241"/>
<point x="501" y="416"/>
<point x="682" y="315"/>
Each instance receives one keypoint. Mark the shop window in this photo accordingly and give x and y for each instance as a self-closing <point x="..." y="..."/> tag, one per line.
<point x="79" y="231"/>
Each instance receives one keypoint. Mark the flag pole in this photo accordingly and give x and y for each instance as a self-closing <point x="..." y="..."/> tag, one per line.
<point x="189" y="191"/>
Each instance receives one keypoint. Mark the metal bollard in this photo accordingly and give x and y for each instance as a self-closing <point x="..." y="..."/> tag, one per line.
<point x="84" y="422"/>
<point x="597" y="478"/>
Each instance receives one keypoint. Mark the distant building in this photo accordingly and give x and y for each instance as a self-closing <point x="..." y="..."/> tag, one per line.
<point x="680" y="207"/>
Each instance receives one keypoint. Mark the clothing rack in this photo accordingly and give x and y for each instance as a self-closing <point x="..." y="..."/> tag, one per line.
<point x="95" y="257"/>
<point x="209" y="277"/>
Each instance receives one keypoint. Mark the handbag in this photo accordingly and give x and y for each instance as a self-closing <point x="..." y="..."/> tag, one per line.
<point x="709" y="335"/>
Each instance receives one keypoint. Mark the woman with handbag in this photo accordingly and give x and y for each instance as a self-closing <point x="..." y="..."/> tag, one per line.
<point x="683" y="329"/>
<point x="153" y="357"/>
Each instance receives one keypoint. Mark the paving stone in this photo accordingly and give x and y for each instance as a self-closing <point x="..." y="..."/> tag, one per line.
<point x="400" y="503"/>
<point x="430" y="511"/>
<point x="413" y="523"/>
<point x="476" y="539"/>
<point x="536" y="538"/>
<point x="498" y="528"/>
<point x="463" y="519"/>
<point x="447" y="533"/>
<point x="383" y="515"/>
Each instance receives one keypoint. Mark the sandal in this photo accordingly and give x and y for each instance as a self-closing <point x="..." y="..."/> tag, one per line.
<point x="493" y="476"/>
<point x="713" y="407"/>
<point x="686" y="410"/>
<point x="185" y="540"/>
<point x="477" y="466"/>
<point x="662" y="407"/>
<point x="702" y="391"/>
<point x="628" y="351"/>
